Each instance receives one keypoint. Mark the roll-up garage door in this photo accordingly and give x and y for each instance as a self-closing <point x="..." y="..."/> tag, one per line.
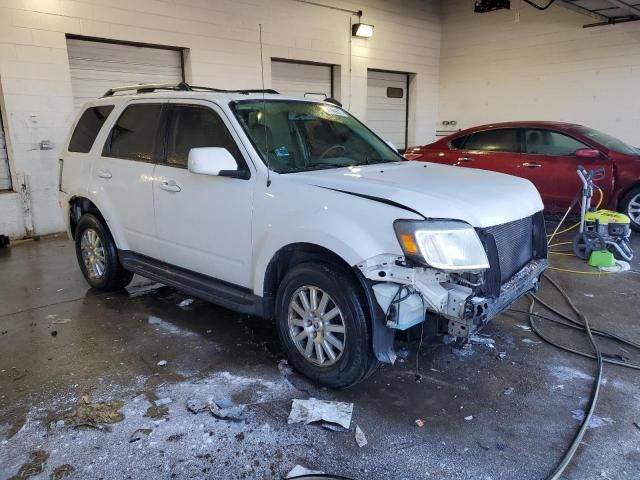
<point x="387" y="106"/>
<point x="301" y="79"/>
<point x="5" y="178"/>
<point x="99" y="66"/>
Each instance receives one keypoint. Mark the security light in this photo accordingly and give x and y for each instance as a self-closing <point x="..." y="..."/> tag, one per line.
<point x="362" y="30"/>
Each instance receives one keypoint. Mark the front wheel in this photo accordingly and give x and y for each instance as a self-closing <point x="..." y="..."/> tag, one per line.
<point x="630" y="206"/>
<point x="323" y="327"/>
<point x="98" y="255"/>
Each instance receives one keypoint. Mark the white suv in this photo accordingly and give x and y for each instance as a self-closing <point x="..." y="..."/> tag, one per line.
<point x="293" y="210"/>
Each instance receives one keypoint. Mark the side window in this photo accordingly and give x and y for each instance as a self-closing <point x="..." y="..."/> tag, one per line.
<point x="459" y="142"/>
<point x="499" y="140"/>
<point x="134" y="134"/>
<point x="88" y="128"/>
<point x="546" y="142"/>
<point x="193" y="126"/>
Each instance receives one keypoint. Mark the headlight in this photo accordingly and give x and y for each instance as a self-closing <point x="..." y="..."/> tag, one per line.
<point x="442" y="244"/>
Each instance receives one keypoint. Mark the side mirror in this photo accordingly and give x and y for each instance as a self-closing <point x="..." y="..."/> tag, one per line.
<point x="213" y="161"/>
<point x="392" y="146"/>
<point x="587" y="153"/>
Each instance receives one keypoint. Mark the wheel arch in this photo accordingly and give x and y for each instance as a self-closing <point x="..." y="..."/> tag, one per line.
<point x="79" y="205"/>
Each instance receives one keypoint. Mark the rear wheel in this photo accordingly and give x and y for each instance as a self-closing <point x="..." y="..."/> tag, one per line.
<point x="322" y="325"/>
<point x="98" y="256"/>
<point x="630" y="206"/>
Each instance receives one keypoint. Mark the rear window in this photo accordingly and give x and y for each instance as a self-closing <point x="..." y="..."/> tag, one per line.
<point x="499" y="140"/>
<point x="88" y="128"/>
<point x="134" y="134"/>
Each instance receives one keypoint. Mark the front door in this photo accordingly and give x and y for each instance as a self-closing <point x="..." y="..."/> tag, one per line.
<point x="203" y="222"/>
<point x="122" y="176"/>
<point x="550" y="159"/>
<point x="496" y="149"/>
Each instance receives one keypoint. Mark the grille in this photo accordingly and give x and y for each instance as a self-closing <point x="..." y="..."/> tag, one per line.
<point x="514" y="244"/>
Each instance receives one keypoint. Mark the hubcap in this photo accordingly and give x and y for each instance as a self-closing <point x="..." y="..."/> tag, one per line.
<point x="316" y="326"/>
<point x="92" y="253"/>
<point x="633" y="210"/>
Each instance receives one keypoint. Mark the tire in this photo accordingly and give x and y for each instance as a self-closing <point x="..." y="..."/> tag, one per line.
<point x="630" y="206"/>
<point x="94" y="242"/>
<point x="356" y="360"/>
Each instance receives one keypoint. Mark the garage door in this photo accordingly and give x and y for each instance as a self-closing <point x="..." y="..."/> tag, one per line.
<point x="387" y="106"/>
<point x="301" y="79"/>
<point x="5" y="178"/>
<point x="99" y="66"/>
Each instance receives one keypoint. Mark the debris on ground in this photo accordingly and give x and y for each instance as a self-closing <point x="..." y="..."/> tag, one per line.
<point x="483" y="446"/>
<point x="588" y="295"/>
<point x="595" y="421"/>
<point x="480" y="340"/>
<point x="361" y="439"/>
<point x="162" y="363"/>
<point x="464" y="351"/>
<point x="186" y="302"/>
<point x="314" y="410"/>
<point x="156" y="412"/>
<point x="54" y="333"/>
<point x="299" y="470"/>
<point x="196" y="406"/>
<point x="469" y="418"/>
<point x="63" y="471"/>
<point x="61" y="320"/>
<point x="95" y="415"/>
<point x="528" y="340"/>
<point x="637" y="425"/>
<point x="162" y="402"/>
<point x="502" y="355"/>
<point x="420" y="422"/>
<point x="33" y="467"/>
<point x="332" y="427"/>
<point x="508" y="391"/>
<point x="523" y="327"/>
<point x="226" y="410"/>
<point x="139" y="434"/>
<point x="284" y="368"/>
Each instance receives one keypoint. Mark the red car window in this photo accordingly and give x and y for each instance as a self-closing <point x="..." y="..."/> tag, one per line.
<point x="498" y="140"/>
<point x="546" y="142"/>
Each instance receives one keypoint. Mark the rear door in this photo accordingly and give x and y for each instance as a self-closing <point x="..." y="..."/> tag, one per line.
<point x="549" y="160"/>
<point x="122" y="175"/>
<point x="497" y="149"/>
<point x="203" y="222"/>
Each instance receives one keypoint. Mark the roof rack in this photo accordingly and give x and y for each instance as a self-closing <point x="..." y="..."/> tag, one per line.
<point x="181" y="86"/>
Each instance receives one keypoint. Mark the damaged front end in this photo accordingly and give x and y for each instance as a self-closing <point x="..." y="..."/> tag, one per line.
<point x="403" y="292"/>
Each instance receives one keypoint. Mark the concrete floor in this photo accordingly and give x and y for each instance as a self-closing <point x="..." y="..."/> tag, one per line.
<point x="63" y="344"/>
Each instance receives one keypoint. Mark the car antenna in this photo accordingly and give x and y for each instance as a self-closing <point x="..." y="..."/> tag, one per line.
<point x="264" y="112"/>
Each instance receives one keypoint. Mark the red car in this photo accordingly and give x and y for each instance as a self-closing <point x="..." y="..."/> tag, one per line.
<point x="547" y="153"/>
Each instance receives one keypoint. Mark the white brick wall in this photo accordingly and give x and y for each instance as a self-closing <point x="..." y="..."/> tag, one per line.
<point x="544" y="67"/>
<point x="222" y="36"/>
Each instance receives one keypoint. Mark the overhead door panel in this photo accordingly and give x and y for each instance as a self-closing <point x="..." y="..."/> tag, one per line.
<point x="301" y="79"/>
<point x="99" y="66"/>
<point x="387" y="106"/>
<point x="5" y="178"/>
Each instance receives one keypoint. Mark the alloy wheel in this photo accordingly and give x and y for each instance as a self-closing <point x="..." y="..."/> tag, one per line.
<point x="633" y="209"/>
<point x="92" y="253"/>
<point x="316" y="326"/>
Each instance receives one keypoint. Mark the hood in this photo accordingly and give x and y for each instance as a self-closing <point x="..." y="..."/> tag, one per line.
<point x="478" y="197"/>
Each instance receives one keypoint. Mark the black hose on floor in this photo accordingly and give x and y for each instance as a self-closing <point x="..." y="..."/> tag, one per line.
<point x="573" y="447"/>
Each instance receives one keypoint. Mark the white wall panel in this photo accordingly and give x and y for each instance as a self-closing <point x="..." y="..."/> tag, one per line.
<point x="301" y="80"/>
<point x="5" y="177"/>
<point x="523" y="64"/>
<point x="385" y="115"/>
<point x="98" y="66"/>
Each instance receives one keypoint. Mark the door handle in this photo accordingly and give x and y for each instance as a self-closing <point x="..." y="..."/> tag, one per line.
<point x="104" y="173"/>
<point x="465" y="159"/>
<point x="531" y="165"/>
<point x="170" y="186"/>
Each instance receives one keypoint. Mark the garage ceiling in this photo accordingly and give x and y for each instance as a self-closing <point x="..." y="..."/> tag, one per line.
<point x="605" y="11"/>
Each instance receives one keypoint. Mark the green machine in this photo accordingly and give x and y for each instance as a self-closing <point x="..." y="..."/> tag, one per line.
<point x="603" y="234"/>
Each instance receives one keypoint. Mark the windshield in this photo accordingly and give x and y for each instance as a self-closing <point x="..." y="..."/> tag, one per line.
<point x="609" y="142"/>
<point x="294" y="136"/>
